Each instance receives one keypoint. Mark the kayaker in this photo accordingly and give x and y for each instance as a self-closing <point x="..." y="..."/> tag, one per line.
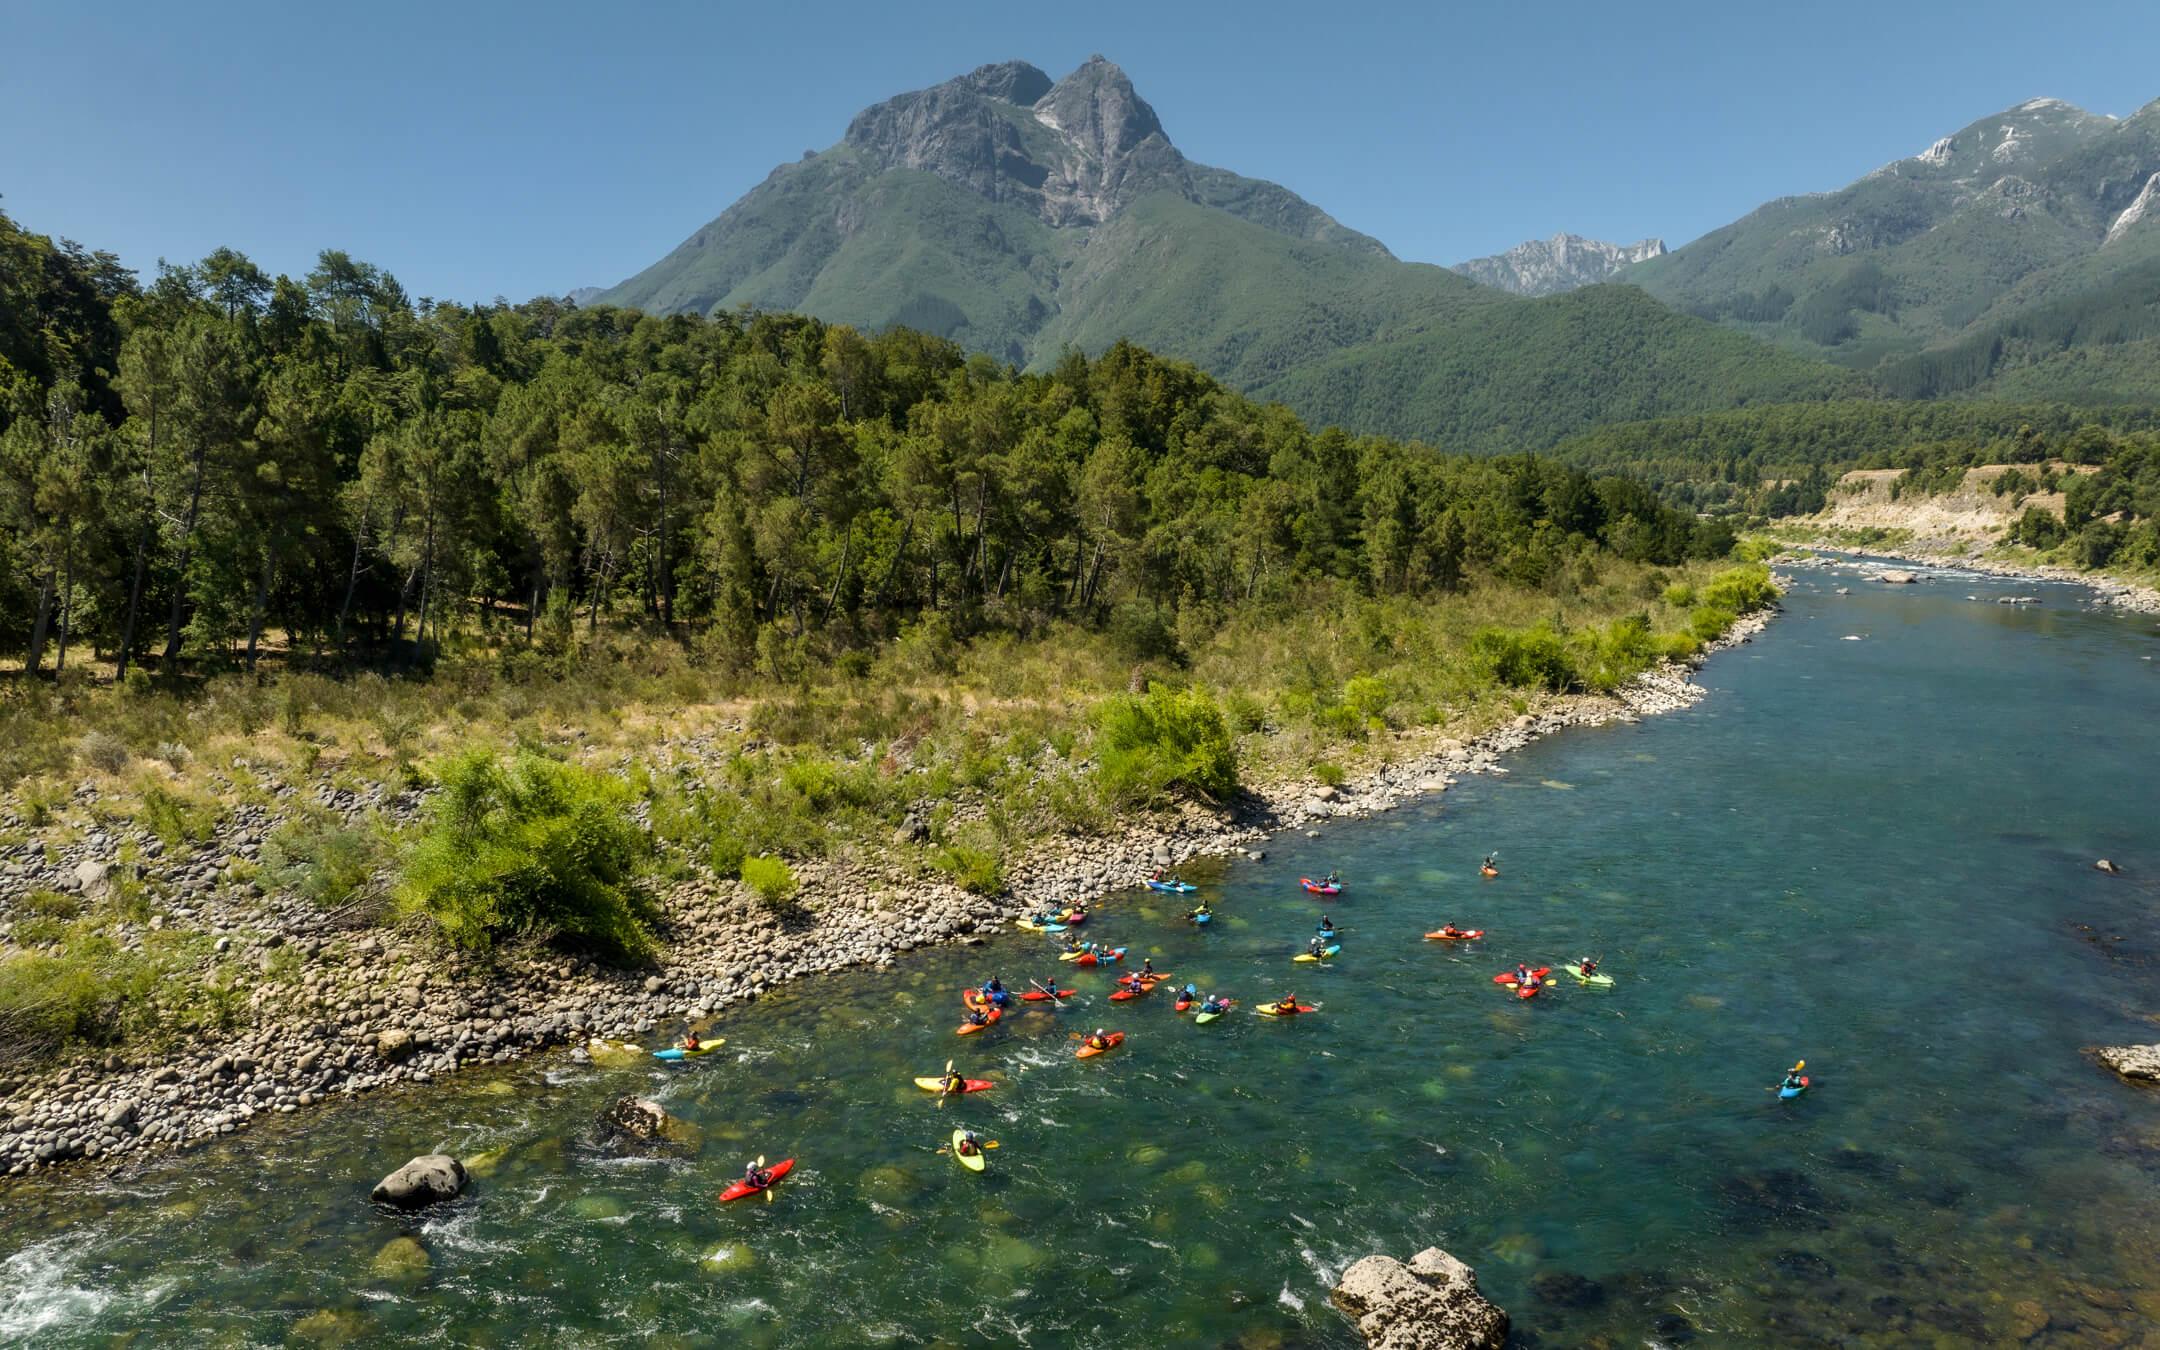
<point x="1793" y="1081"/>
<point x="1212" y="1004"/>
<point x="955" y="1085"/>
<point x="756" y="1178"/>
<point x="977" y="1017"/>
<point x="1147" y="966"/>
<point x="688" y="1042"/>
<point x="968" y="1145"/>
<point x="1099" y="1041"/>
<point x="1287" y="1006"/>
<point x="1327" y="925"/>
<point x="1522" y="973"/>
<point x="1334" y="878"/>
<point x="1588" y="967"/>
<point x="1531" y="981"/>
<point x="1491" y="863"/>
<point x="1450" y="930"/>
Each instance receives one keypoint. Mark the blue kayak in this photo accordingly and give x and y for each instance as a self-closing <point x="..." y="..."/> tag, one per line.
<point x="676" y="1054"/>
<point x="1174" y="887"/>
<point x="1202" y="917"/>
<point x="1325" y="934"/>
<point x="1788" y="1093"/>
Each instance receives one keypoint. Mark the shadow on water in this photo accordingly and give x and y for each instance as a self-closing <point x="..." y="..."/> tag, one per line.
<point x="1875" y="854"/>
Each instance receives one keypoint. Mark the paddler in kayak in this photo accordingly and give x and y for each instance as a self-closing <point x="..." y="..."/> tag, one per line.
<point x="1451" y="931"/>
<point x="1198" y="912"/>
<point x="1214" y="1003"/>
<point x="968" y="1144"/>
<point x="1334" y="878"/>
<point x="1286" y="1006"/>
<point x="953" y="1086"/>
<point x="1522" y="973"/>
<point x="757" y="1178"/>
<point x="1588" y="966"/>
<point x="1099" y="1041"/>
<point x="1316" y="946"/>
<point x="977" y="1017"/>
<point x="1146" y="971"/>
<point x="689" y="1041"/>
<point x="1327" y="925"/>
<point x="1793" y="1081"/>
<point x="1491" y="866"/>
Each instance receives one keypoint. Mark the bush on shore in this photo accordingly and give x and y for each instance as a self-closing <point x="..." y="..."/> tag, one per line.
<point x="1164" y="742"/>
<point x="530" y="847"/>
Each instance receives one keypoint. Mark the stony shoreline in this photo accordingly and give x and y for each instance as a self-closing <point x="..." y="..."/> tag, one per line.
<point x="337" y="1013"/>
<point x="2128" y="595"/>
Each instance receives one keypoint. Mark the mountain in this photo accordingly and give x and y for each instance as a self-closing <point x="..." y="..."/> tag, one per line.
<point x="1018" y="216"/>
<point x="1977" y="264"/>
<point x="1564" y="262"/>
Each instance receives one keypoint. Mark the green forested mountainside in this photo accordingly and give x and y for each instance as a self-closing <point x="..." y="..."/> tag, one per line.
<point x="1021" y="217"/>
<point x="323" y="458"/>
<point x="1978" y="258"/>
<point x="1777" y="460"/>
<point x="1531" y="372"/>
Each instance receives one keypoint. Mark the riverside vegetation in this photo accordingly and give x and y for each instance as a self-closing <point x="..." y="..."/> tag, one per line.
<point x="492" y="628"/>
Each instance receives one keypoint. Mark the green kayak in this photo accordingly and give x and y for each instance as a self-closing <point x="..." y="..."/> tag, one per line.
<point x="1596" y="981"/>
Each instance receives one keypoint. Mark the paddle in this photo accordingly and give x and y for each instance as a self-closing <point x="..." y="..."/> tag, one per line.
<point x="946" y="1091"/>
<point x="767" y="1189"/>
<point x="987" y="1144"/>
<point x="1055" y="996"/>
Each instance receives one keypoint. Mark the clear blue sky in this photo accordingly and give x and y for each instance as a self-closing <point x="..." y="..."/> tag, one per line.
<point x="482" y="149"/>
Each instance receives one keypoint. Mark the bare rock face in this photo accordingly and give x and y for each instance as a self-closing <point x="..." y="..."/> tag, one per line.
<point x="637" y="1117"/>
<point x="2138" y="1063"/>
<point x="1432" y="1303"/>
<point x="1564" y="262"/>
<point x="425" y="1180"/>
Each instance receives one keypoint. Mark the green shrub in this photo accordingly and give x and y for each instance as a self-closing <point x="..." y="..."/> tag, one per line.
<point x="1162" y="742"/>
<point x="1742" y="590"/>
<point x="530" y="847"/>
<point x="89" y="990"/>
<point x="176" y="819"/>
<point x="1680" y="595"/>
<point x="1329" y="772"/>
<point x="1709" y="622"/>
<point x="322" y="859"/>
<point x="1367" y="696"/>
<point x="973" y="861"/>
<point x="107" y="754"/>
<point x="1525" y="658"/>
<point x="770" y="877"/>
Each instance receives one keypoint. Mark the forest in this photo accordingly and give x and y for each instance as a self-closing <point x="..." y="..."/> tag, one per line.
<point x="217" y="467"/>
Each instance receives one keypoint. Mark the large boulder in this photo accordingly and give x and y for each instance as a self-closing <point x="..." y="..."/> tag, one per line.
<point x="425" y="1180"/>
<point x="2140" y="1063"/>
<point x="1432" y="1303"/>
<point x="644" y="1121"/>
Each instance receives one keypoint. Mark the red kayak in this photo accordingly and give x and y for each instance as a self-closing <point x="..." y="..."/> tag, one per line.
<point x="1133" y="991"/>
<point x="1466" y="935"/>
<point x="1039" y="996"/>
<point x="1508" y="976"/>
<point x="1184" y="1001"/>
<point x="970" y="1028"/>
<point x="967" y="1085"/>
<point x="1320" y="887"/>
<point x="1112" y="1041"/>
<point x="743" y="1188"/>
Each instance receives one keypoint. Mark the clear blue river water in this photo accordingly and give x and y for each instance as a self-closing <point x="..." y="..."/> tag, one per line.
<point x="1875" y="854"/>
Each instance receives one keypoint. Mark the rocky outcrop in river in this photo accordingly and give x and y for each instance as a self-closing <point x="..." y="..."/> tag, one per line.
<point x="2138" y="1063"/>
<point x="1432" y="1303"/>
<point x="424" y="1181"/>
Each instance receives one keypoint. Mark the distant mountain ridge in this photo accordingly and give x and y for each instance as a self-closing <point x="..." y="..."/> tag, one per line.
<point x="1561" y="263"/>
<point x="2019" y="253"/>
<point x="1018" y="216"/>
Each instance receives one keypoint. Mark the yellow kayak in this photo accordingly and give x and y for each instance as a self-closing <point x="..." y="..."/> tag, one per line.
<point x="973" y="1162"/>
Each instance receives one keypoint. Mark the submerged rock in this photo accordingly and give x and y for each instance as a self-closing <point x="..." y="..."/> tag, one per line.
<point x="1432" y="1303"/>
<point x="401" y="1258"/>
<point x="423" y="1181"/>
<point x="638" y="1117"/>
<point x="2139" y="1063"/>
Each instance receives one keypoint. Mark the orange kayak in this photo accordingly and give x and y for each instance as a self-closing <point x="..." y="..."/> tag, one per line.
<point x="1466" y="935"/>
<point x="970" y="1028"/>
<point x="1114" y="1039"/>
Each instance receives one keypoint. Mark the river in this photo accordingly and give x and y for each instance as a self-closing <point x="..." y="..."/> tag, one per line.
<point x="1875" y="854"/>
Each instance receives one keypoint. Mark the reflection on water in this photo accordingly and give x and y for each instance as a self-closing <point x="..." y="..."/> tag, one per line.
<point x="1876" y="855"/>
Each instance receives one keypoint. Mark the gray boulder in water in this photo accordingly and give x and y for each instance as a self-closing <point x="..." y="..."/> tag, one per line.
<point x="637" y="1117"/>
<point x="1432" y="1303"/>
<point x="425" y="1180"/>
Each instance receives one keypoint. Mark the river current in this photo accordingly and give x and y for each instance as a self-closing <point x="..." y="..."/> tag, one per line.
<point x="1876" y="854"/>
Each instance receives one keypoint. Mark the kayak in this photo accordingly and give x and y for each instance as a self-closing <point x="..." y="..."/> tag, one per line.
<point x="1489" y="871"/>
<point x="1144" y="977"/>
<point x="1202" y="917"/>
<point x="1174" y="887"/>
<point x="973" y="1162"/>
<point x="970" y="1028"/>
<point x="1321" y="887"/>
<point x="1593" y="978"/>
<point x="1466" y="935"/>
<point x="1508" y="976"/>
<point x="1203" y="1018"/>
<point x="967" y="1085"/>
<point x="1132" y="991"/>
<point x="1038" y="996"/>
<point x="1093" y="958"/>
<point x="1184" y="1001"/>
<point x="1325" y="934"/>
<point x="1073" y="916"/>
<point x="676" y="1054"/>
<point x="1281" y="1010"/>
<point x="1115" y="1039"/>
<point x="1041" y="926"/>
<point x="1788" y="1093"/>
<point x="976" y="998"/>
<point x="1325" y="953"/>
<point x="743" y="1188"/>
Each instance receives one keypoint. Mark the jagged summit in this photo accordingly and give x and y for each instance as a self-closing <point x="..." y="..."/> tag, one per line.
<point x="1564" y="262"/>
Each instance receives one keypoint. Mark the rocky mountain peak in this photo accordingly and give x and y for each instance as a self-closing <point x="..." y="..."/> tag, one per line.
<point x="1564" y="262"/>
<point x="1014" y="82"/>
<point x="1097" y="110"/>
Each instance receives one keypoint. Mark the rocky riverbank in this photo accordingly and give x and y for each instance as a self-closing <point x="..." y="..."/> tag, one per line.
<point x="329" y="1012"/>
<point x="2128" y="595"/>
